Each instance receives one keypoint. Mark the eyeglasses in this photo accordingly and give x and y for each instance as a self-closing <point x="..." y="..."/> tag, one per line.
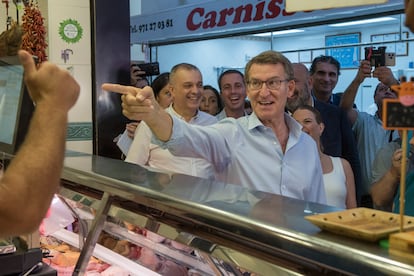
<point x="272" y="84"/>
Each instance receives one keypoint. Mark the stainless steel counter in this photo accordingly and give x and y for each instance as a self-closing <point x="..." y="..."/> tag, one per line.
<point x="264" y="233"/>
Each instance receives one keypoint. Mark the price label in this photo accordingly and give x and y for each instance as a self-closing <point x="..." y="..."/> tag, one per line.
<point x="399" y="113"/>
<point x="397" y="116"/>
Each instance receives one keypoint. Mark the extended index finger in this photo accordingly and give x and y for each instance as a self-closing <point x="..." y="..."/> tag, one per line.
<point x="117" y="88"/>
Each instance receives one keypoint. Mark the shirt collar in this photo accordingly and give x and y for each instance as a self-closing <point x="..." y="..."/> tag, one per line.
<point x="294" y="127"/>
<point x="171" y="110"/>
<point x="224" y="113"/>
<point x="253" y="121"/>
<point x="330" y="101"/>
<point x="377" y="117"/>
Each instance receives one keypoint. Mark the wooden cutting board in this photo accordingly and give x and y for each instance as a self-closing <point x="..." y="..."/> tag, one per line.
<point x="402" y="245"/>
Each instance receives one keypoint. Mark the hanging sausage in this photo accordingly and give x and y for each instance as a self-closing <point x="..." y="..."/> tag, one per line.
<point x="34" y="31"/>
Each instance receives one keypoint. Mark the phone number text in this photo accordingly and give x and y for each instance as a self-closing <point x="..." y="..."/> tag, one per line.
<point x="152" y="27"/>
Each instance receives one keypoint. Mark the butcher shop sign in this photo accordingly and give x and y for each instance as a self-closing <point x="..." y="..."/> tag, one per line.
<point x="220" y="18"/>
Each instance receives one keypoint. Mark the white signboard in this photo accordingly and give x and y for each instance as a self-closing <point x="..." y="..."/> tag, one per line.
<point x="221" y="18"/>
<point x="295" y="5"/>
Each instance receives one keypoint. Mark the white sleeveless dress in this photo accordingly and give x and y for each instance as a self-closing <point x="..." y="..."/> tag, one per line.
<point x="335" y="184"/>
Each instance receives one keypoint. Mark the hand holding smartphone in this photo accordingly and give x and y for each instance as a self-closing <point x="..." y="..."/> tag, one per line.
<point x="150" y="69"/>
<point x="379" y="57"/>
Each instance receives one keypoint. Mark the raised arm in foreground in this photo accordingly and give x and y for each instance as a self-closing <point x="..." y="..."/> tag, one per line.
<point x="33" y="176"/>
<point x="348" y="98"/>
<point x="140" y="104"/>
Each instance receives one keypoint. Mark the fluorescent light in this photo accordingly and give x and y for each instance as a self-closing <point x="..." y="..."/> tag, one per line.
<point x="288" y="32"/>
<point x="263" y="34"/>
<point x="292" y="31"/>
<point x="365" y="21"/>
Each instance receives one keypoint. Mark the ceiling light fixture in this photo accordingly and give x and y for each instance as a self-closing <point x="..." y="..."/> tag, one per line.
<point x="288" y="32"/>
<point x="292" y="31"/>
<point x="365" y="21"/>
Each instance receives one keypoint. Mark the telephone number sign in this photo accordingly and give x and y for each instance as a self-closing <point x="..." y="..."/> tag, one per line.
<point x="152" y="26"/>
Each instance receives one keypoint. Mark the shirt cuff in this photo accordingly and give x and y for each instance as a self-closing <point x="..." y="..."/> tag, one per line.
<point x="177" y="133"/>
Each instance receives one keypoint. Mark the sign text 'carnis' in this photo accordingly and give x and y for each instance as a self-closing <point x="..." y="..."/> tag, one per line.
<point x="200" y="17"/>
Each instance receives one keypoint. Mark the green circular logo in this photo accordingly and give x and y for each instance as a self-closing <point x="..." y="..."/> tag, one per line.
<point x="70" y="31"/>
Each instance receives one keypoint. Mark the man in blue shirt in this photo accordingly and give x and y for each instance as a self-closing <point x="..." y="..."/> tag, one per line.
<point x="265" y="151"/>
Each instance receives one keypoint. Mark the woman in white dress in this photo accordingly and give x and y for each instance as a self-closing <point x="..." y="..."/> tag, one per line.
<point x="337" y="172"/>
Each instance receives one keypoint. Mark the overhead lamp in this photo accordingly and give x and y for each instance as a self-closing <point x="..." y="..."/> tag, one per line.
<point x="364" y="21"/>
<point x="291" y="31"/>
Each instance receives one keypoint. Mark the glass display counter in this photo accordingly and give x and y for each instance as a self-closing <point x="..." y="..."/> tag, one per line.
<point x="228" y="228"/>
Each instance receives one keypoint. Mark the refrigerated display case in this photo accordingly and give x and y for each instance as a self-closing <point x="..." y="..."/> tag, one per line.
<point x="228" y="229"/>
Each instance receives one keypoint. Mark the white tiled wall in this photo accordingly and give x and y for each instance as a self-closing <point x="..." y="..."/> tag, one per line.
<point x="79" y="64"/>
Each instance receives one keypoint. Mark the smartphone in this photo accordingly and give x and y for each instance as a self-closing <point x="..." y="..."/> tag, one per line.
<point x="150" y="69"/>
<point x="389" y="59"/>
<point x="378" y="57"/>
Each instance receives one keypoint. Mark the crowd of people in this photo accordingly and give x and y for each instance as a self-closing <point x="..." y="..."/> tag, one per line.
<point x="264" y="150"/>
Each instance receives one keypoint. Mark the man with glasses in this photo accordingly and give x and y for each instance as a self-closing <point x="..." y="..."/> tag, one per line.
<point x="265" y="151"/>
